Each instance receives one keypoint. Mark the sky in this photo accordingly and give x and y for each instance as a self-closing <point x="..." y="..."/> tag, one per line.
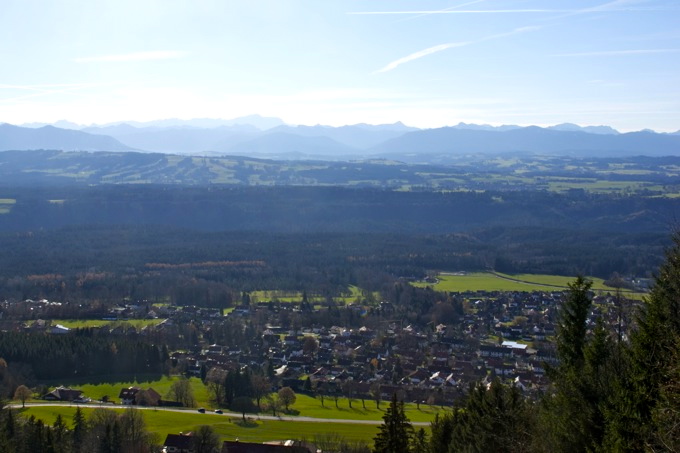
<point x="335" y="62"/>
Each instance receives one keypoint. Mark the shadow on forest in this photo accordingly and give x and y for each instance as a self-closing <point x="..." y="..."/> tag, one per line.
<point x="107" y="379"/>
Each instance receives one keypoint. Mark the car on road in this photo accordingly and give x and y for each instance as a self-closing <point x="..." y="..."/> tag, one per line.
<point x="219" y="411"/>
<point x="201" y="410"/>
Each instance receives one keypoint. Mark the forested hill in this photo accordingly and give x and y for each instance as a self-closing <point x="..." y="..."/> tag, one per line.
<point x="65" y="229"/>
<point x="653" y="175"/>
<point x="61" y="213"/>
<point x="327" y="209"/>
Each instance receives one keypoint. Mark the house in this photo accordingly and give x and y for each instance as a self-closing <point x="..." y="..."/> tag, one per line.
<point x="517" y="348"/>
<point x="127" y="396"/>
<point x="248" y="447"/>
<point x="148" y="397"/>
<point x="59" y="330"/>
<point x="178" y="443"/>
<point x="63" y="394"/>
<point x="494" y="351"/>
<point x="416" y="377"/>
<point x="437" y="378"/>
<point x="138" y="396"/>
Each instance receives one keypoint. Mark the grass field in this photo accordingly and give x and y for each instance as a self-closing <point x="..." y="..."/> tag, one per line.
<point x="111" y="386"/>
<point x="487" y="281"/>
<point x="602" y="186"/>
<point x="163" y="423"/>
<point x="305" y="405"/>
<point x="6" y="205"/>
<point x="349" y="296"/>
<point x="162" y="386"/>
<point x="83" y="323"/>
<point x="166" y="422"/>
<point x="311" y="407"/>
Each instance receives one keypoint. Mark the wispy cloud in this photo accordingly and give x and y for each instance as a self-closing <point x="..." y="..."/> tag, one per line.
<point x="460" y="11"/>
<point x="45" y="86"/>
<point x="463" y="5"/>
<point x="421" y="54"/>
<point x="614" y="53"/>
<point x="45" y="89"/>
<point x="438" y="48"/>
<point x="134" y="56"/>
<point x="621" y="5"/>
<point x="612" y="6"/>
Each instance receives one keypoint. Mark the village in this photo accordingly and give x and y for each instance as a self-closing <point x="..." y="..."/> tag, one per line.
<point x="504" y="335"/>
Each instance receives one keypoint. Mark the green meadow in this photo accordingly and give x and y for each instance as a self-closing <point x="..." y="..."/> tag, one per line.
<point x="85" y="323"/>
<point x="163" y="423"/>
<point x="6" y="205"/>
<point x="305" y="406"/>
<point x="487" y="281"/>
<point x="110" y="386"/>
<point x="351" y="295"/>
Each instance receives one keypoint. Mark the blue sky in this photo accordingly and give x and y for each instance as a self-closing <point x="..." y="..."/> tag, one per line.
<point x="426" y="63"/>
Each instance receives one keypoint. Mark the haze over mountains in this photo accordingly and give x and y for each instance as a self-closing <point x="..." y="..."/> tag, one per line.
<point x="270" y="137"/>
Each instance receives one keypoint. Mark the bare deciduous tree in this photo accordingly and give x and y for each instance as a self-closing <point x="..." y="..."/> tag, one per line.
<point x="22" y="393"/>
<point x="181" y="391"/>
<point x="287" y="397"/>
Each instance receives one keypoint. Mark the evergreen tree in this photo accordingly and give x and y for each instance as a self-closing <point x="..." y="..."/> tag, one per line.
<point x="79" y="429"/>
<point x="105" y="441"/>
<point x="574" y="414"/>
<point x="59" y="434"/>
<point x="441" y="430"/>
<point x="598" y="383"/>
<point x="649" y="393"/>
<point x="571" y="337"/>
<point x="666" y="415"/>
<point x="419" y="441"/>
<point x="50" y="446"/>
<point x="10" y="424"/>
<point x="116" y="438"/>
<point x="490" y="418"/>
<point x="396" y="433"/>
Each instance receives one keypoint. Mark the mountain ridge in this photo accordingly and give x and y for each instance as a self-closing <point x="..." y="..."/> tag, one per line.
<point x="16" y="137"/>
<point x="359" y="141"/>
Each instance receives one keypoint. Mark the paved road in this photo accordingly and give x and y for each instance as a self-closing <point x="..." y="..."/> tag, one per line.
<point x="226" y="414"/>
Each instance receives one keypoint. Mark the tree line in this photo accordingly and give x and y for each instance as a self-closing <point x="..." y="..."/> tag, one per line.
<point x="103" y="431"/>
<point x="35" y="357"/>
<point x="211" y="269"/>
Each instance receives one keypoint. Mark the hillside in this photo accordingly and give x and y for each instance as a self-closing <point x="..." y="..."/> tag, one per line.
<point x="641" y="175"/>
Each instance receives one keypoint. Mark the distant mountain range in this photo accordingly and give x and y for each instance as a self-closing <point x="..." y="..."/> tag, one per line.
<point x="437" y="144"/>
<point x="269" y="137"/>
<point x="259" y="122"/>
<point x="50" y="137"/>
